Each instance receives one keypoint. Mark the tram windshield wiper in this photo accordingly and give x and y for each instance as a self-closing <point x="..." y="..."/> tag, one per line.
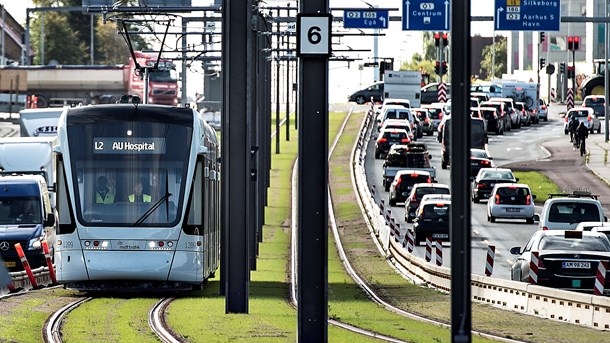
<point x="152" y="209"/>
<point x="156" y="205"/>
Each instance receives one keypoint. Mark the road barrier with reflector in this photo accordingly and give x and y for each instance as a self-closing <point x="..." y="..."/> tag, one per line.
<point x="26" y="265"/>
<point x="489" y="263"/>
<point x="565" y="306"/>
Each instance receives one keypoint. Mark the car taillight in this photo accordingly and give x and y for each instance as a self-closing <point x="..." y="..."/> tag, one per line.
<point x="427" y="120"/>
<point x="566" y="119"/>
<point x="545" y="228"/>
<point x="405" y="140"/>
<point x="485" y="162"/>
<point x="382" y="140"/>
<point x="497" y="199"/>
<point x="528" y="200"/>
<point x="398" y="181"/>
<point x="440" y="116"/>
<point x="429" y="180"/>
<point x="480" y="185"/>
<point x="589" y="118"/>
<point x="543" y="107"/>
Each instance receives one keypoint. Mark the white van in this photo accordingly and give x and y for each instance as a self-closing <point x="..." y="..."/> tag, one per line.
<point x="568" y="210"/>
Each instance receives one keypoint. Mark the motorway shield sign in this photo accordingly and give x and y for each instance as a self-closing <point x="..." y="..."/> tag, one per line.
<point x="426" y="15"/>
<point x="527" y="15"/>
<point x="365" y="19"/>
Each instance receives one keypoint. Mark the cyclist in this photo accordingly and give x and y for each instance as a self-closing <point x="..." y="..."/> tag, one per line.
<point x="582" y="133"/>
<point x="572" y="126"/>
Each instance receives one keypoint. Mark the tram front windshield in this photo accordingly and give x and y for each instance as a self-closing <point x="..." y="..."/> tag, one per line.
<point x="129" y="173"/>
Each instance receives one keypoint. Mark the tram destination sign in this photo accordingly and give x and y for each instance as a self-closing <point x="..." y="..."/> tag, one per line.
<point x="129" y="145"/>
<point x="527" y="15"/>
<point x="426" y="15"/>
<point x="365" y="19"/>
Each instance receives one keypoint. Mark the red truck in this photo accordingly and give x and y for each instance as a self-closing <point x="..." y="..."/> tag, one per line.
<point x="61" y="85"/>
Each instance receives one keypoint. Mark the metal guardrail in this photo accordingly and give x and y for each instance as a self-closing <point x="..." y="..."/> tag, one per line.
<point x="556" y="304"/>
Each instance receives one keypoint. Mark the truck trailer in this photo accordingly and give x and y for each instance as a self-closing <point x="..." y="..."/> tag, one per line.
<point x="61" y="85"/>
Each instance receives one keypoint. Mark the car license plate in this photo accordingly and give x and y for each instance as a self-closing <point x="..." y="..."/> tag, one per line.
<point x="10" y="264"/>
<point x="576" y="265"/>
<point x="440" y="235"/>
<point x="474" y="164"/>
<point x="513" y="209"/>
<point x="485" y="195"/>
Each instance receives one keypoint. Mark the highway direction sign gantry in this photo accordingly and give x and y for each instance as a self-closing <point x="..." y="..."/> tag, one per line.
<point x="365" y="19"/>
<point x="426" y="15"/>
<point x="527" y="15"/>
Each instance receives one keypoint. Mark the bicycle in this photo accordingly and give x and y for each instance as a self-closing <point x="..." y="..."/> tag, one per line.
<point x="524" y="98"/>
<point x="583" y="149"/>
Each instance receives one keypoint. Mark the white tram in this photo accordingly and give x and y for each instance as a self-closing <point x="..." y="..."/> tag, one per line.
<point x="168" y="238"/>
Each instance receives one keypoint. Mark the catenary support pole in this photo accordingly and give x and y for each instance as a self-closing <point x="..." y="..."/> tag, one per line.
<point x="236" y="19"/>
<point x="460" y="225"/>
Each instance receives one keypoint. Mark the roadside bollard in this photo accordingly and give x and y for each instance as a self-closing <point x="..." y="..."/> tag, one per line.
<point x="600" y="278"/>
<point x="533" y="276"/>
<point x="373" y="192"/>
<point x="388" y="216"/>
<point x="397" y="236"/>
<point x="410" y="240"/>
<point x="392" y="227"/>
<point x="26" y="265"/>
<point x="47" y="255"/>
<point x="489" y="264"/>
<point x="382" y="207"/>
<point x="428" y="249"/>
<point x="439" y="252"/>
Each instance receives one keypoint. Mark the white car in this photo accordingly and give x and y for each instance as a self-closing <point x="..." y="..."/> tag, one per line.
<point x="584" y="115"/>
<point x="511" y="201"/>
<point x="543" y="110"/>
<point x="565" y="211"/>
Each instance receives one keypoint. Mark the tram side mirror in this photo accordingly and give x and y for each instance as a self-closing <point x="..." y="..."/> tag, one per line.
<point x="50" y="220"/>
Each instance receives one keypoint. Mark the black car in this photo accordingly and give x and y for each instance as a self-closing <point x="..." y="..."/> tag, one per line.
<point x="387" y="138"/>
<point x="423" y="115"/>
<point x="432" y="220"/>
<point x="502" y="113"/>
<point x="363" y="96"/>
<point x="479" y="159"/>
<point x="494" y="122"/>
<point x="403" y="183"/>
<point x="417" y="193"/>
<point x="486" y="179"/>
<point x="567" y="259"/>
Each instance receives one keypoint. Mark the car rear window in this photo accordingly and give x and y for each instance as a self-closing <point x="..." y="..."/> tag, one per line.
<point x="579" y="114"/>
<point x="569" y="212"/>
<point x="586" y="243"/>
<point x="436" y="113"/>
<point x="594" y="101"/>
<point x="478" y="154"/>
<point x="488" y="114"/>
<point x="397" y="114"/>
<point x="513" y="191"/>
<point x="394" y="134"/>
<point x="436" y="211"/>
<point x="497" y="175"/>
<point x="519" y="106"/>
<point x="421" y="191"/>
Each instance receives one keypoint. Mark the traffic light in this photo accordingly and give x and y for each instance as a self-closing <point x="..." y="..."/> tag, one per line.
<point x="570" y="72"/>
<point x="576" y="42"/>
<point x="542" y="63"/>
<point x="562" y="68"/>
<point x="445" y="39"/>
<point x="437" y="68"/>
<point x="570" y="43"/>
<point x="444" y="69"/>
<point x="437" y="39"/>
<point x="542" y="36"/>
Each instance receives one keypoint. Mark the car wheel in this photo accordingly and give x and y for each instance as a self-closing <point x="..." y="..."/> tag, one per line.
<point x="492" y="219"/>
<point x="565" y="132"/>
<point x="444" y="165"/>
<point x="387" y="187"/>
<point x="488" y="218"/>
<point x="475" y="199"/>
<point x="377" y="155"/>
<point x="546" y="119"/>
<point x="392" y="202"/>
<point x="360" y="100"/>
<point x="530" y="220"/>
<point x="430" y="133"/>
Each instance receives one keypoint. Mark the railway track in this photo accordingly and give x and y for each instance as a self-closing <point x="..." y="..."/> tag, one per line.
<point x="361" y="283"/>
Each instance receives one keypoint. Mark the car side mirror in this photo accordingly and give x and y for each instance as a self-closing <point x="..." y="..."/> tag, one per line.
<point x="490" y="158"/>
<point x="516" y="179"/>
<point x="50" y="220"/>
<point x="472" y="178"/>
<point x="605" y="218"/>
<point x="534" y="196"/>
<point x="515" y="250"/>
<point x="536" y="217"/>
<point x="429" y="156"/>
<point x="374" y="138"/>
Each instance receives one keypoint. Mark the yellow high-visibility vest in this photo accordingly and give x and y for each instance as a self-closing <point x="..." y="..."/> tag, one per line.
<point x="109" y="199"/>
<point x="145" y="198"/>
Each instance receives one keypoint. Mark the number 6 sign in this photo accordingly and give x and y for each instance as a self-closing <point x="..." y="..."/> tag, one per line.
<point x="313" y="32"/>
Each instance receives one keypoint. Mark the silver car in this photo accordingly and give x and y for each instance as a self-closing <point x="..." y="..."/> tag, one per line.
<point x="584" y="115"/>
<point x="511" y="201"/>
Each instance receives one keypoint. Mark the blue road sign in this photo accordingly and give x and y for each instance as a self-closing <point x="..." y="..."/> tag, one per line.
<point x="426" y="15"/>
<point x="369" y="18"/>
<point x="527" y="15"/>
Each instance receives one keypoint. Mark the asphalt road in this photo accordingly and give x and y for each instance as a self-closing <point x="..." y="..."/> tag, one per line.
<point x="521" y="149"/>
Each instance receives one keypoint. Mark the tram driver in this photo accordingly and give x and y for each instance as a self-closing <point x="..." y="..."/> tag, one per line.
<point x="138" y="195"/>
<point x="103" y="195"/>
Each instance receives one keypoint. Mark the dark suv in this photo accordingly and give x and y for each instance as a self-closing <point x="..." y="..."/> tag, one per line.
<point x="432" y="220"/>
<point x="387" y="138"/>
<point x="363" y="96"/>
<point x="486" y="179"/>
<point x="403" y="183"/>
<point x="494" y="122"/>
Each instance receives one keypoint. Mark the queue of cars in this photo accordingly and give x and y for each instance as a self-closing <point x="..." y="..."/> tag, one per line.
<point x="567" y="259"/>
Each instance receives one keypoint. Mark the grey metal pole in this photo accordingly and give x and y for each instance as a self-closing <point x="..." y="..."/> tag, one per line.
<point x="3" y="21"/>
<point x="25" y="58"/>
<point x="493" y="56"/>
<point x="606" y="78"/>
<point x="42" y="38"/>
<point x="92" y="39"/>
<point x="183" y="78"/>
<point x="145" y="92"/>
<point x="277" y="88"/>
<point x="287" y="75"/>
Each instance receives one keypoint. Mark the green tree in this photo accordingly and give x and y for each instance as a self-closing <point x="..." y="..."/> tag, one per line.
<point x="60" y="42"/>
<point x="500" y="59"/>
